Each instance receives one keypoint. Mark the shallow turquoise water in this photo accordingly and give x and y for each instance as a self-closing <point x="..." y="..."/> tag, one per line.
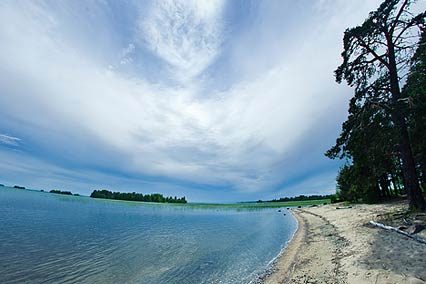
<point x="47" y="238"/>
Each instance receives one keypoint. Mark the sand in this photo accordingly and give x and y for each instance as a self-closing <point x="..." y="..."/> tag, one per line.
<point x="339" y="246"/>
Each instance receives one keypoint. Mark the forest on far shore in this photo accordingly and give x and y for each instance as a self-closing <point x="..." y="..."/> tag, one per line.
<point x="331" y="197"/>
<point x="133" y="196"/>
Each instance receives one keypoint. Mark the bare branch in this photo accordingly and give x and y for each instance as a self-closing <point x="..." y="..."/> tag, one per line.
<point x="412" y="23"/>
<point x="401" y="10"/>
<point x="363" y="44"/>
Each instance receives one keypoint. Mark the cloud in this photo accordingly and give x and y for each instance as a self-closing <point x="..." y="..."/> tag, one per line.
<point x="187" y="34"/>
<point x="25" y="170"/>
<point x="126" y="54"/>
<point x="9" y="140"/>
<point x="317" y="184"/>
<point x="280" y="111"/>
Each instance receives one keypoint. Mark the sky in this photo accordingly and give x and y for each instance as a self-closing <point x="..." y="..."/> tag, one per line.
<point x="216" y="100"/>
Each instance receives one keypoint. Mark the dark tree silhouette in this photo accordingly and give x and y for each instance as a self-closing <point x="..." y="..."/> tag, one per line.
<point x="376" y="60"/>
<point x="133" y="196"/>
<point x="57" y="191"/>
<point x="415" y="92"/>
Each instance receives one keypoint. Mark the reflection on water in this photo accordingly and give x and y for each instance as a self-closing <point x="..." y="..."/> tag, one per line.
<point x="47" y="238"/>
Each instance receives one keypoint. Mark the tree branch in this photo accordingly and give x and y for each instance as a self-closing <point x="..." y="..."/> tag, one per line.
<point x="378" y="57"/>
<point x="409" y="24"/>
<point x="401" y="10"/>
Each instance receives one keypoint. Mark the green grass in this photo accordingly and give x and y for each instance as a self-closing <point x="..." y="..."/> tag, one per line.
<point x="223" y="206"/>
<point x="237" y="206"/>
<point x="259" y="205"/>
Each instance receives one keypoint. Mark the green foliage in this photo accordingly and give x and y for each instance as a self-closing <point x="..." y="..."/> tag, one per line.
<point x="415" y="94"/>
<point x="60" y="192"/>
<point x="345" y="187"/>
<point x="133" y="196"/>
<point x="299" y="198"/>
<point x="356" y="184"/>
<point x="374" y="138"/>
<point x="259" y="205"/>
<point x="334" y="198"/>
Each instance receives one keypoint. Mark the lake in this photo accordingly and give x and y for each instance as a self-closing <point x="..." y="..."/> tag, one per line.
<point x="49" y="238"/>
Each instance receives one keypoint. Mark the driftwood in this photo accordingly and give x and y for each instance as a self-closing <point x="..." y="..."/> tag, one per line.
<point x="390" y="228"/>
<point x="343" y="207"/>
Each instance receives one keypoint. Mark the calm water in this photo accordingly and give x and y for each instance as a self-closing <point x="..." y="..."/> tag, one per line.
<point x="47" y="238"/>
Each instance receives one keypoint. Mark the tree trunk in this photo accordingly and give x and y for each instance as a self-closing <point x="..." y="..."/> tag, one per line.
<point x="415" y="197"/>
<point x="382" y="188"/>
<point x="396" y="188"/>
<point x="423" y="174"/>
<point x="401" y="178"/>
<point x="384" y="182"/>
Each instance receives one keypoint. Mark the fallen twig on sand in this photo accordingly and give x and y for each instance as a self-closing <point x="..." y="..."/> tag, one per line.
<point x="390" y="228"/>
<point x="343" y="207"/>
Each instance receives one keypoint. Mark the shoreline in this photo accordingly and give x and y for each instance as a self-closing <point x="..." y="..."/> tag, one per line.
<point x="338" y="246"/>
<point x="286" y="255"/>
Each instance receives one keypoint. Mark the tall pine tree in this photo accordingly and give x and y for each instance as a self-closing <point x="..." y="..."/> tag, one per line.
<point x="376" y="58"/>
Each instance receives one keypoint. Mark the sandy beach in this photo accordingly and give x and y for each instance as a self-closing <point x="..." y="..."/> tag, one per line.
<point x="340" y="246"/>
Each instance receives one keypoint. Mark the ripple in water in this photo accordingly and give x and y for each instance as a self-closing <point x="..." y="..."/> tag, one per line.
<point x="46" y="238"/>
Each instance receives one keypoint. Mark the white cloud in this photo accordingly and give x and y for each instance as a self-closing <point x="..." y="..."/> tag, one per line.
<point x="126" y="54"/>
<point x="187" y="34"/>
<point x="9" y="140"/>
<point x="25" y="170"/>
<point x="274" y="122"/>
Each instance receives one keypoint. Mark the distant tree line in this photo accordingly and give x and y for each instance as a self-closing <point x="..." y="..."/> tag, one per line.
<point x="133" y="196"/>
<point x="383" y="139"/>
<point x="300" y="198"/>
<point x="60" y="192"/>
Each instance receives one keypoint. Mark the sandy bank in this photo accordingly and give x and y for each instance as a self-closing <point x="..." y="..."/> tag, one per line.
<point x="338" y="246"/>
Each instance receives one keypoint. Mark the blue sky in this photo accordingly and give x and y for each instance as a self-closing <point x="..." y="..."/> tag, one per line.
<point x="215" y="100"/>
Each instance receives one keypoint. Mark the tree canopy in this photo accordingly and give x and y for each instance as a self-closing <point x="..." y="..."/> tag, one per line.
<point x="415" y="92"/>
<point x="57" y="191"/>
<point x="133" y="196"/>
<point x="299" y="198"/>
<point x="377" y="138"/>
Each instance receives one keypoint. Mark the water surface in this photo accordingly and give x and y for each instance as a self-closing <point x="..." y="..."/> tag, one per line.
<point x="49" y="238"/>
